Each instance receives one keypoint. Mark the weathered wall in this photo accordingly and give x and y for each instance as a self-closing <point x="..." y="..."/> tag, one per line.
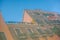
<point x="4" y="28"/>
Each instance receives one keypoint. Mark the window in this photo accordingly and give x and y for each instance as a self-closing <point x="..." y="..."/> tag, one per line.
<point x="58" y="14"/>
<point x="2" y="36"/>
<point x="30" y="31"/>
<point x="18" y="31"/>
<point x="48" y="14"/>
<point x="41" y="31"/>
<point x="55" y="21"/>
<point x="36" y="13"/>
<point x="32" y="34"/>
<point x="19" y="34"/>
<point x="39" y="21"/>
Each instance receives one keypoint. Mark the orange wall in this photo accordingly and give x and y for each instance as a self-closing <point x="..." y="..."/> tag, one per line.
<point x="55" y="37"/>
<point x="4" y="28"/>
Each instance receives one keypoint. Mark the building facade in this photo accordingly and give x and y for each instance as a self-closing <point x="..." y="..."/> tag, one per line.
<point x="36" y="25"/>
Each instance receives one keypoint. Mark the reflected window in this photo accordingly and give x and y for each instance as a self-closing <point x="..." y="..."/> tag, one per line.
<point x="2" y="36"/>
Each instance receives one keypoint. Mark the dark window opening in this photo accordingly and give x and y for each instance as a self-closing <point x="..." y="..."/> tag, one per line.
<point x="2" y="36"/>
<point x="48" y="14"/>
<point x="18" y="31"/>
<point x="36" y="13"/>
<point x="29" y="30"/>
<point x="20" y="35"/>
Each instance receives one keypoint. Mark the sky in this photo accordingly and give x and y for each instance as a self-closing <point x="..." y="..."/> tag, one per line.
<point x="13" y="10"/>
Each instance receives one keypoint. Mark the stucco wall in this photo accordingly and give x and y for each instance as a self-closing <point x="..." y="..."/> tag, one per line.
<point x="27" y="18"/>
